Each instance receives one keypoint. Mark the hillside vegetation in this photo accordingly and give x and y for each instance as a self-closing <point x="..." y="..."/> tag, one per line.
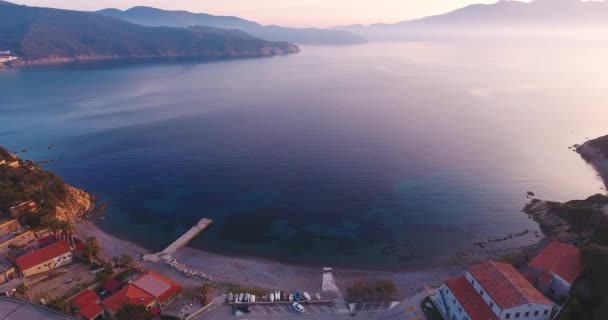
<point x="29" y="182"/>
<point x="156" y="17"/>
<point x="44" y="34"/>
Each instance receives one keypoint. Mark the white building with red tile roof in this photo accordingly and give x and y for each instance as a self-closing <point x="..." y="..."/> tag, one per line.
<point x="557" y="266"/>
<point x="491" y="291"/>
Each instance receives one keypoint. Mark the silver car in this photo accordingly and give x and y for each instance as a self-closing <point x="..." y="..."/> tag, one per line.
<point x="298" y="307"/>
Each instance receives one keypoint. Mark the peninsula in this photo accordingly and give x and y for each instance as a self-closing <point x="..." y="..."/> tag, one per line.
<point x="39" y="36"/>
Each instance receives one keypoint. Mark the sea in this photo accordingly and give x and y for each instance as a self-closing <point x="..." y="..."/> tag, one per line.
<point x="378" y="156"/>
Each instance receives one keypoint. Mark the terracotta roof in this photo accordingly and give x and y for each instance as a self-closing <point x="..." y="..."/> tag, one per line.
<point x="470" y="299"/>
<point x="112" y="286"/>
<point x="158" y="286"/>
<point x="42" y="255"/>
<point x="84" y="298"/>
<point x="87" y="304"/>
<point x="91" y="311"/>
<point x="130" y="294"/>
<point x="561" y="259"/>
<point x="505" y="285"/>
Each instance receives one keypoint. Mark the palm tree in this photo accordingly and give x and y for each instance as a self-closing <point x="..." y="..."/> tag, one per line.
<point x="92" y="248"/>
<point x="68" y="227"/>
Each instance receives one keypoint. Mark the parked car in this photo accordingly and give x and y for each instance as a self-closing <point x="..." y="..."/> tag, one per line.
<point x="244" y="309"/>
<point x="298" y="307"/>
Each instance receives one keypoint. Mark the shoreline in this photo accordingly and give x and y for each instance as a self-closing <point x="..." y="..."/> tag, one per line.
<point x="92" y="60"/>
<point x="274" y="274"/>
<point x="596" y="158"/>
<point x="265" y="273"/>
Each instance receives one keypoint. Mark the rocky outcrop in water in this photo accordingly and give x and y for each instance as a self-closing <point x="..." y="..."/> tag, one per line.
<point x="595" y="152"/>
<point x="580" y="221"/>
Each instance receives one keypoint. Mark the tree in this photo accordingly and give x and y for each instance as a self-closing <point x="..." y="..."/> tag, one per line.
<point x="360" y="291"/>
<point x="92" y="248"/>
<point x="203" y="292"/>
<point x="133" y="312"/>
<point x="21" y="289"/>
<point x="51" y="223"/>
<point x="126" y="260"/>
<point x="385" y="289"/>
<point x="62" y="305"/>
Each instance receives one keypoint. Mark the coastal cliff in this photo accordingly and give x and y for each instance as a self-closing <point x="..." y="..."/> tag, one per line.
<point x="30" y="193"/>
<point x="595" y="152"/>
<point x="581" y="221"/>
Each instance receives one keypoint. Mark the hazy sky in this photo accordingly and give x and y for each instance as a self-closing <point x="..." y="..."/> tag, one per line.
<point x="285" y="12"/>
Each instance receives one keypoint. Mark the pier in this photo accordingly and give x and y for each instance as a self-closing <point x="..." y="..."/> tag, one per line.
<point x="203" y="224"/>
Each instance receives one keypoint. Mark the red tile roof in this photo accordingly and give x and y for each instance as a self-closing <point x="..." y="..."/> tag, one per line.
<point x="505" y="285"/>
<point x="560" y="259"/>
<point x="42" y="255"/>
<point x="470" y="299"/>
<point x="84" y="298"/>
<point x="87" y="304"/>
<point x="158" y="286"/>
<point x="112" y="286"/>
<point x="130" y="294"/>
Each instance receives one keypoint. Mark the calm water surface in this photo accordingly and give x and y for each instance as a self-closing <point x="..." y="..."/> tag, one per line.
<point x="381" y="155"/>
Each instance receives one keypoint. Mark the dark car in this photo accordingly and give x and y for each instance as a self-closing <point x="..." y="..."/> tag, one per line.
<point x="244" y="309"/>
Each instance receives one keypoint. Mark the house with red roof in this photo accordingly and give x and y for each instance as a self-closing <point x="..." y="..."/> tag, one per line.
<point x="130" y="294"/>
<point x="150" y="290"/>
<point x="44" y="259"/>
<point x="162" y="289"/>
<point x="492" y="291"/>
<point x="556" y="268"/>
<point x="87" y="303"/>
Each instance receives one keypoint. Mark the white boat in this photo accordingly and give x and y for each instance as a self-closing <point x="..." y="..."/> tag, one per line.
<point x="272" y="297"/>
<point x="230" y="297"/>
<point x="307" y="296"/>
<point x="241" y="296"/>
<point x="247" y="296"/>
<point x="252" y="298"/>
<point x="291" y="297"/>
<point x="277" y="295"/>
<point x="318" y="296"/>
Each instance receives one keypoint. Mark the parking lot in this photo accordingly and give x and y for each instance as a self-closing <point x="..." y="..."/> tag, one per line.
<point x="285" y="309"/>
<point x="373" y="306"/>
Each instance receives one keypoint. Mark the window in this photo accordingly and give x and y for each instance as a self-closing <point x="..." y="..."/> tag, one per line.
<point x="459" y="309"/>
<point x="508" y="316"/>
<point x="481" y="292"/>
<point x="491" y="304"/>
<point x="536" y="313"/>
<point x="527" y="314"/>
<point x="516" y="315"/>
<point x="472" y="282"/>
<point x="453" y="301"/>
<point x="546" y="312"/>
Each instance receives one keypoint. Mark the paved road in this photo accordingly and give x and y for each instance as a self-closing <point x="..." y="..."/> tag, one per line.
<point x="371" y="311"/>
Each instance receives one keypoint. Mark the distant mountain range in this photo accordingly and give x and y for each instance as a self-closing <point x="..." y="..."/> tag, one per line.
<point x="549" y="14"/>
<point x="158" y="18"/>
<point x="44" y="35"/>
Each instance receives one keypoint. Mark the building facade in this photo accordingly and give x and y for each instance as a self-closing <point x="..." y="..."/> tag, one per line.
<point x="556" y="268"/>
<point x="44" y="259"/>
<point x="493" y="290"/>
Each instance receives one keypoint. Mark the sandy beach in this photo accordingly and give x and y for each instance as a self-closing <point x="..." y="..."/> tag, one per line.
<point x="266" y="273"/>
